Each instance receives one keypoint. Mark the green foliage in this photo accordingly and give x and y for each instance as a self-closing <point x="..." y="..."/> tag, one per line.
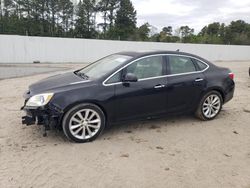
<point x="60" y="18"/>
<point x="85" y="21"/>
<point x="125" y="22"/>
<point x="108" y="9"/>
<point x="37" y="17"/>
<point x="143" y="32"/>
<point x="166" y="35"/>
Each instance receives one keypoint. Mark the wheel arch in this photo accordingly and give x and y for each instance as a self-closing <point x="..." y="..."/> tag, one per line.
<point x="218" y="89"/>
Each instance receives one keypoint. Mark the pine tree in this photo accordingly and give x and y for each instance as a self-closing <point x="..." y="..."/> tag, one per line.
<point x="8" y="6"/>
<point x="1" y="14"/>
<point x="125" y="22"/>
<point x="85" y="21"/>
<point x="53" y="9"/>
<point x="108" y="9"/>
<point x="66" y="14"/>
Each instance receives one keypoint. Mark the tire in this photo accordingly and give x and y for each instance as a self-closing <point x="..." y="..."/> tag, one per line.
<point x="208" y="111"/>
<point x="83" y="123"/>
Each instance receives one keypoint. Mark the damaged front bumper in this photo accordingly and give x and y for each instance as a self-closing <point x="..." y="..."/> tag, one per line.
<point x="48" y="116"/>
<point x="28" y="120"/>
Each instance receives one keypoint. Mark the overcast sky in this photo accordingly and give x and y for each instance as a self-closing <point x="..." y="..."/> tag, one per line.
<point x="194" y="13"/>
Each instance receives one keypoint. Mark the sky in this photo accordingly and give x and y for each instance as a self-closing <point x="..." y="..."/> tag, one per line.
<point x="194" y="13"/>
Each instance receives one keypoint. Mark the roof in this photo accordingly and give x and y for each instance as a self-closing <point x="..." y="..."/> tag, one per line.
<point x="136" y="54"/>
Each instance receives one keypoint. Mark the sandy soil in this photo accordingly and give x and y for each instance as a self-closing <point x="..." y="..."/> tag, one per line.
<point x="172" y="152"/>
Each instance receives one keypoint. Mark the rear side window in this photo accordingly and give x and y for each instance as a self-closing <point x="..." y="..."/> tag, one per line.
<point x="201" y="65"/>
<point x="179" y="64"/>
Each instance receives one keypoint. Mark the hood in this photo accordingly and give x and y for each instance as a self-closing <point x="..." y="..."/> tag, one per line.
<point x="55" y="82"/>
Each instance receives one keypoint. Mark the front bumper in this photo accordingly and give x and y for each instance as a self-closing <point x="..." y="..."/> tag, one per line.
<point x="48" y="116"/>
<point x="27" y="120"/>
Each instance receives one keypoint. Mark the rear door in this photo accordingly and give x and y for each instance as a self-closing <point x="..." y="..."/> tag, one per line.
<point x="185" y="83"/>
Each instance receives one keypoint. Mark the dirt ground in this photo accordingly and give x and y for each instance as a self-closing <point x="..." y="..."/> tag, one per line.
<point x="171" y="152"/>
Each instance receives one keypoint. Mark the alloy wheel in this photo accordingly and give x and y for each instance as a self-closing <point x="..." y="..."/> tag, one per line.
<point x="211" y="106"/>
<point x="85" y="124"/>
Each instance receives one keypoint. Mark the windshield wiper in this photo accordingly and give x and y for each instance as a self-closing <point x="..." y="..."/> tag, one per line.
<point x="82" y="75"/>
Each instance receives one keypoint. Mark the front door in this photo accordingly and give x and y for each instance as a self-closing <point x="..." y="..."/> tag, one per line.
<point x="147" y="96"/>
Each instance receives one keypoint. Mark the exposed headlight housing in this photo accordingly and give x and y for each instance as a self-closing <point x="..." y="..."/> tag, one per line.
<point x="39" y="100"/>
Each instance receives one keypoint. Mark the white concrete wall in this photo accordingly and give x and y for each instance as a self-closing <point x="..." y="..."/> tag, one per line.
<point x="22" y="49"/>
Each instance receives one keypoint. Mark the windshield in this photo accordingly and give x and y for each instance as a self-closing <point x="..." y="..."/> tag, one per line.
<point x="103" y="66"/>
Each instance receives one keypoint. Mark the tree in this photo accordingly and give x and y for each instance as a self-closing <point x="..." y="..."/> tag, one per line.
<point x="113" y="6"/>
<point x="168" y="30"/>
<point x="103" y="7"/>
<point x="1" y="17"/>
<point x="125" y="23"/>
<point x="155" y="37"/>
<point x="7" y="24"/>
<point x="143" y="32"/>
<point x="166" y="34"/>
<point x="60" y="18"/>
<point x="53" y="9"/>
<point x="108" y="9"/>
<point x="80" y="26"/>
<point x="238" y="31"/>
<point x="8" y="6"/>
<point x="66" y="14"/>
<point x="1" y="13"/>
<point x="85" y="22"/>
<point x="186" y="33"/>
<point x="213" y="29"/>
<point x="212" y="33"/>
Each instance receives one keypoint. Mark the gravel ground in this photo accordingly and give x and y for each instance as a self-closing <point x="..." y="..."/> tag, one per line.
<point x="172" y="152"/>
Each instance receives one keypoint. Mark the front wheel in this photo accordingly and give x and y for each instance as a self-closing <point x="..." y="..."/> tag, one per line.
<point x="83" y="123"/>
<point x="210" y="106"/>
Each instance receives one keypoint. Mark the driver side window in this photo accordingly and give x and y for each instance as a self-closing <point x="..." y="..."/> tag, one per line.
<point x="147" y="67"/>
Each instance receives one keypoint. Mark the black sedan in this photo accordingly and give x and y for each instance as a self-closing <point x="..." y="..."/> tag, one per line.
<point x="128" y="86"/>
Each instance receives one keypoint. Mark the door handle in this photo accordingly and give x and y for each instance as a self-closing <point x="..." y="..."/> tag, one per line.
<point x="198" y="79"/>
<point x="159" y="86"/>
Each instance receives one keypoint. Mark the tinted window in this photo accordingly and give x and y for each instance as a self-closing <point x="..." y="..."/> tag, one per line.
<point x="179" y="64"/>
<point x="114" y="79"/>
<point x="201" y="65"/>
<point x="147" y="67"/>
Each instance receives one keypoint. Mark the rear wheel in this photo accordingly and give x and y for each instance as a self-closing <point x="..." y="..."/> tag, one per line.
<point x="210" y="106"/>
<point x="83" y="123"/>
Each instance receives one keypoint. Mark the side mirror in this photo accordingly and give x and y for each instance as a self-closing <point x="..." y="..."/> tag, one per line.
<point x="130" y="77"/>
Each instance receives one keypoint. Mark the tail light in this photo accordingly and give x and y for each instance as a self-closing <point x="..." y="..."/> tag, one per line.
<point x="231" y="75"/>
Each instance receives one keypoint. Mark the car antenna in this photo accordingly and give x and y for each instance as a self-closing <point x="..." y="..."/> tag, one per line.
<point x="177" y="50"/>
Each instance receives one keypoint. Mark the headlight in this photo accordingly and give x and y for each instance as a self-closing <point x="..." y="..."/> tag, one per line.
<point x="39" y="100"/>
